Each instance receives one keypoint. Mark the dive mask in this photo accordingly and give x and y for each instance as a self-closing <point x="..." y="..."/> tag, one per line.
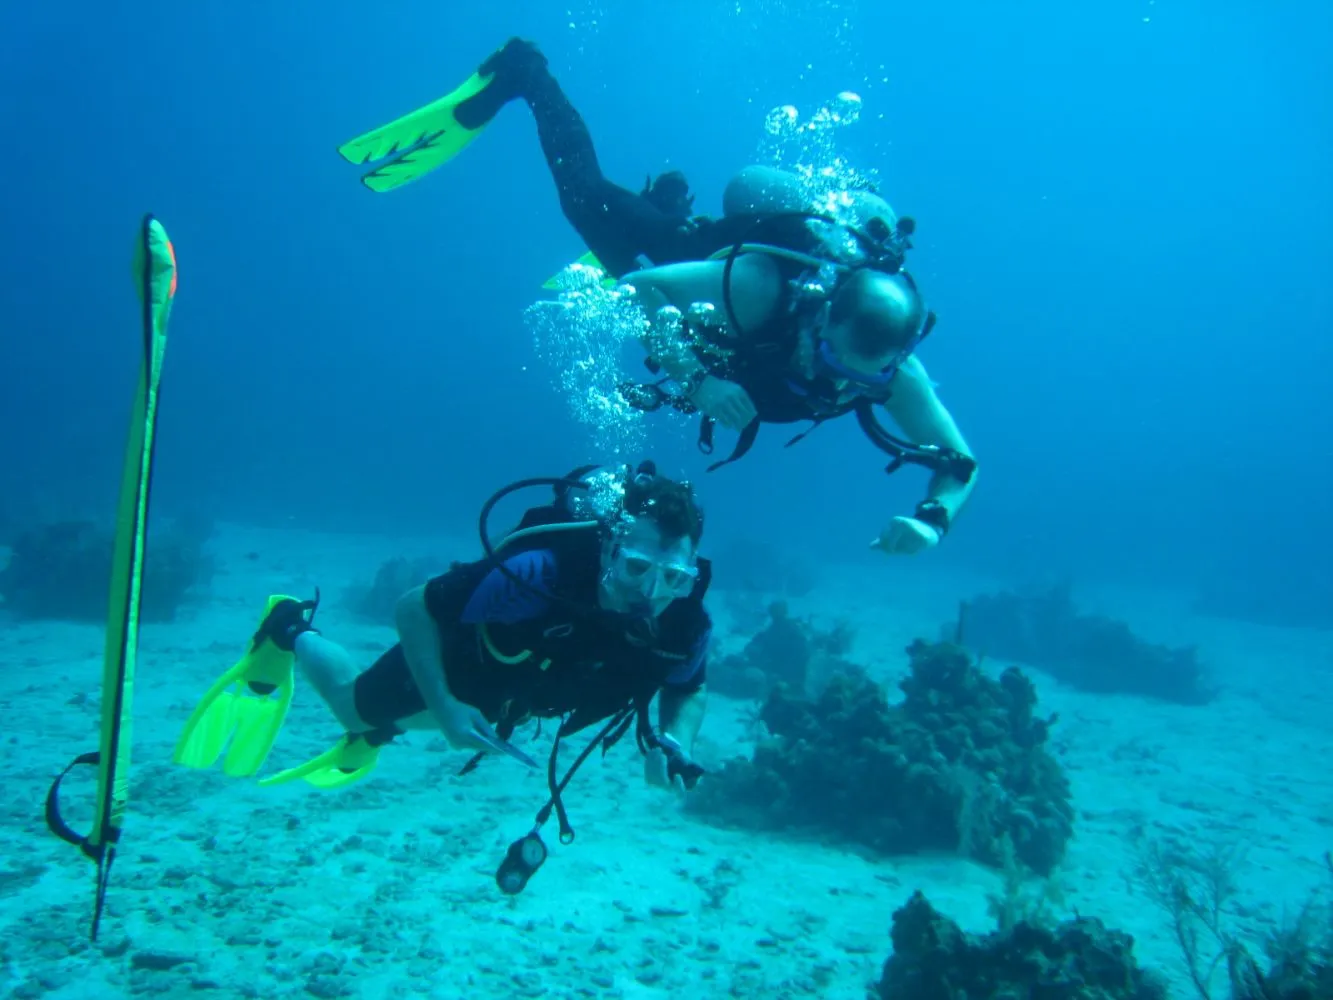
<point x="640" y="571"/>
<point x="827" y="364"/>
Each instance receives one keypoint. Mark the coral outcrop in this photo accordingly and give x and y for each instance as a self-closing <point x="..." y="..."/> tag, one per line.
<point x="1079" y="959"/>
<point x="62" y="571"/>
<point x="1089" y="652"/>
<point x="959" y="765"/>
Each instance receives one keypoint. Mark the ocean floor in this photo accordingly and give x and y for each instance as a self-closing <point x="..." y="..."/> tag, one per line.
<point x="386" y="889"/>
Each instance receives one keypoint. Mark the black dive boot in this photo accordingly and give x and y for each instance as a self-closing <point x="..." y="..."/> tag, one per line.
<point x="285" y="621"/>
<point x="513" y="66"/>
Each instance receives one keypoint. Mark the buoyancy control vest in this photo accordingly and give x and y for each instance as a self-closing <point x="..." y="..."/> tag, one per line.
<point x="760" y="359"/>
<point x="580" y="663"/>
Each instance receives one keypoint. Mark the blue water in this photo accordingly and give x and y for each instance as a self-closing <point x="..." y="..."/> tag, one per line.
<point x="1125" y="224"/>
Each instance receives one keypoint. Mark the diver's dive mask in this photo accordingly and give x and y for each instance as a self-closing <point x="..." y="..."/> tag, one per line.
<point x="828" y="364"/>
<point x="648" y="575"/>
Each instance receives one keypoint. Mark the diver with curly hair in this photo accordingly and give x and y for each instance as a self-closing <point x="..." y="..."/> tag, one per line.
<point x="585" y="613"/>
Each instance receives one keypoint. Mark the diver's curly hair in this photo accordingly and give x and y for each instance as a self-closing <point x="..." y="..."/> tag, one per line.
<point x="670" y="504"/>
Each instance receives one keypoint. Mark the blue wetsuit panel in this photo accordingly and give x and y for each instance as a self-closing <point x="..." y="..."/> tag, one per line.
<point x="691" y="672"/>
<point x="499" y="600"/>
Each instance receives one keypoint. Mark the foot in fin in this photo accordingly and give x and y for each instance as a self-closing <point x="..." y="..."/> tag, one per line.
<point x="432" y="136"/>
<point x="560" y="280"/>
<point x="243" y="711"/>
<point x="351" y="759"/>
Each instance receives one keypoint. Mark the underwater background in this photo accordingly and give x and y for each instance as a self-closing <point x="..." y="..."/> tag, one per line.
<point x="1125" y="223"/>
<point x="1124" y="226"/>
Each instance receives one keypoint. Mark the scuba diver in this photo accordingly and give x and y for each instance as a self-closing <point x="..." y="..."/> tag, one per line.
<point x="771" y="313"/>
<point x="584" y="613"/>
<point x="624" y="230"/>
<point x="764" y="333"/>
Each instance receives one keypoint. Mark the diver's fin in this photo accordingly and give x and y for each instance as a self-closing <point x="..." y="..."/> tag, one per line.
<point x="430" y="137"/>
<point x="351" y="759"/>
<point x="556" y="281"/>
<point x="243" y="711"/>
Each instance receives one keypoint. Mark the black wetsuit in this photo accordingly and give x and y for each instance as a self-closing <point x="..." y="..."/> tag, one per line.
<point x="617" y="224"/>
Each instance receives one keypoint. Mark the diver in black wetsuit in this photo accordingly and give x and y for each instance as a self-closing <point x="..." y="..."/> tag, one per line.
<point x="621" y="227"/>
<point x="587" y="613"/>
<point x="771" y="314"/>
<point x="801" y="342"/>
<point x="625" y="230"/>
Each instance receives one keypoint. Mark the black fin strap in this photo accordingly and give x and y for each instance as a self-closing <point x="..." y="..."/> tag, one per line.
<point x="743" y="444"/>
<point x="57" y="823"/>
<point x="102" y="854"/>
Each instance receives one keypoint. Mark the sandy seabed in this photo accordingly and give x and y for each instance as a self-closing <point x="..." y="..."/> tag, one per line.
<point x="386" y="889"/>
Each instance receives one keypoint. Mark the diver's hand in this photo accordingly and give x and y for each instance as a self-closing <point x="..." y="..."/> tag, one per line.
<point x="668" y="766"/>
<point x="467" y="729"/>
<point x="726" y="402"/>
<point x="656" y="772"/>
<point x="906" y="536"/>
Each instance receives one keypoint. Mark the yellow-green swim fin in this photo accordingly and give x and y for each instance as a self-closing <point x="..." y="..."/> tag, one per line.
<point x="351" y="759"/>
<point x="242" y="713"/>
<point x="430" y="137"/>
<point x="556" y="281"/>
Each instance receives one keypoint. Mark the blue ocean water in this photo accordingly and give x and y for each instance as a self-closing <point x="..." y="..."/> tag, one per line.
<point x="1125" y="223"/>
<point x="1124" y="226"/>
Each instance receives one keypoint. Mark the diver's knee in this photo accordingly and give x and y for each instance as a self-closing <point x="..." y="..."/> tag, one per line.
<point x="330" y="671"/>
<point x="318" y="655"/>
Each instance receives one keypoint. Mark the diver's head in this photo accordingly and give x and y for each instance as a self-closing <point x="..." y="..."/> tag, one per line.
<point x="650" y="555"/>
<point x="875" y="321"/>
<point x="670" y="194"/>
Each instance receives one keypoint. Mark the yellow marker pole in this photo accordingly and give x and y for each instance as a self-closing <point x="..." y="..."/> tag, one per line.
<point x="155" y="263"/>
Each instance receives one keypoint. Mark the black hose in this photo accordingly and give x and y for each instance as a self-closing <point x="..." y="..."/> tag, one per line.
<point x="496" y="562"/>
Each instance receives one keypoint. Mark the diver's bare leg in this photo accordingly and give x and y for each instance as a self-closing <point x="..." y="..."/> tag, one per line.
<point x="330" y="670"/>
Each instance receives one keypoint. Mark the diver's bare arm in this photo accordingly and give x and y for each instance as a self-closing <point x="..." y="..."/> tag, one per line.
<point x="420" y="638"/>
<point x="755" y="286"/>
<point x="916" y="408"/>
<point x="681" y="714"/>
<point x="678" y="285"/>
